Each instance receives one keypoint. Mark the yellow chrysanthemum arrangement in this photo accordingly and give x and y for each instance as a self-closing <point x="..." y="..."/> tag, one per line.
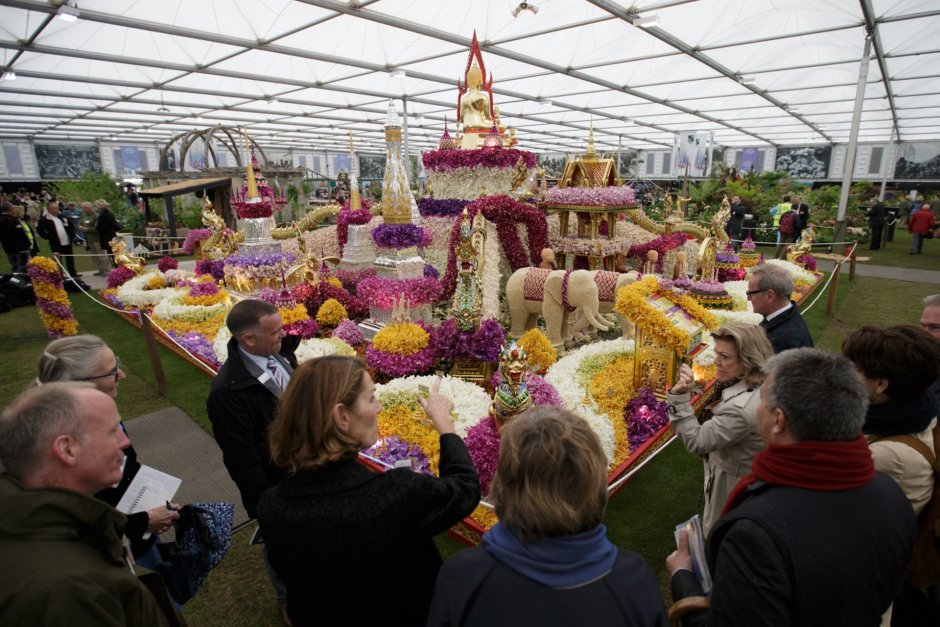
<point x="335" y="282"/>
<point x="55" y="308"/>
<point x="206" y="299"/>
<point x="611" y="388"/>
<point x="156" y="282"/>
<point x="632" y="302"/>
<point x="403" y="338"/>
<point x="297" y="313"/>
<point x="331" y="313"/>
<point x="539" y="350"/>
<point x="401" y="415"/>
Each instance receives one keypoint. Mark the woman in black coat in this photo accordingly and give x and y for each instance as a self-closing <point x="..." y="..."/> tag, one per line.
<point x="338" y="532"/>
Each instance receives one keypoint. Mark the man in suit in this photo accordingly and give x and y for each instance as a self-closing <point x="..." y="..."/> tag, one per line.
<point x="802" y="211"/>
<point x="769" y="290"/>
<point x="243" y="402"/>
<point x="876" y="222"/>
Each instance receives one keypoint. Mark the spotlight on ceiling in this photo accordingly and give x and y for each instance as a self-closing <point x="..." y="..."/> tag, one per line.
<point x="646" y="22"/>
<point x="68" y="12"/>
<point x="9" y="75"/>
<point x="525" y="6"/>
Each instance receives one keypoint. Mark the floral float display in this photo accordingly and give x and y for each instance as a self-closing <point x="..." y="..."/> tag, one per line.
<point x="463" y="174"/>
<point x="402" y="349"/>
<point x="250" y="273"/>
<point x="55" y="308"/>
<point x="199" y="309"/>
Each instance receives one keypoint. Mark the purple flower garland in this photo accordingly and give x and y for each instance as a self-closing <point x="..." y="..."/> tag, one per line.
<point x="433" y="207"/>
<point x="483" y="445"/>
<point x="645" y="415"/>
<point x="196" y="344"/>
<point x="505" y="213"/>
<point x="385" y="293"/>
<point x="392" y="449"/>
<point x="480" y="345"/>
<point x="400" y="236"/>
<point x="443" y="160"/>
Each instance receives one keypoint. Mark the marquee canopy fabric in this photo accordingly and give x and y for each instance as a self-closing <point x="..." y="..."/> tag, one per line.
<point x="302" y="73"/>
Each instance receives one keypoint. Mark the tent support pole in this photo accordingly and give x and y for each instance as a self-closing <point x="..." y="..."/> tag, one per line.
<point x="849" y="167"/>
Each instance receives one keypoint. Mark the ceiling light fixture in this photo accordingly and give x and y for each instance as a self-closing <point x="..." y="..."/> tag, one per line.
<point x="68" y="12"/>
<point x="162" y="108"/>
<point x="647" y="22"/>
<point x="397" y="73"/>
<point x="525" y="6"/>
<point x="9" y="75"/>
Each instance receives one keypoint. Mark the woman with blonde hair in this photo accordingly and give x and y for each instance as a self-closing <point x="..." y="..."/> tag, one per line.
<point x="725" y="435"/>
<point x="88" y="358"/>
<point x="548" y="561"/>
<point x="333" y="524"/>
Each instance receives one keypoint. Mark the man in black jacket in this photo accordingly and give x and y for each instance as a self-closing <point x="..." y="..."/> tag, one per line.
<point x="876" y="222"/>
<point x="813" y="537"/>
<point x="14" y="237"/>
<point x="802" y="211"/>
<point x="243" y="403"/>
<point x="738" y="211"/>
<point x="106" y="225"/>
<point x="769" y="290"/>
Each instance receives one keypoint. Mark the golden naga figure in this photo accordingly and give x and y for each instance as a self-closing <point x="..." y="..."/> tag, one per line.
<point x="720" y="219"/>
<point x="221" y="243"/>
<point x="512" y="396"/>
<point x="125" y="258"/>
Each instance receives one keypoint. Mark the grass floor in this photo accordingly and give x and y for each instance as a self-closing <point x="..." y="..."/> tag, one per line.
<point x="640" y="518"/>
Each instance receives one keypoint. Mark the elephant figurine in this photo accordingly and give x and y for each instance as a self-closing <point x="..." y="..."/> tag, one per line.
<point x="555" y="294"/>
<point x="608" y="284"/>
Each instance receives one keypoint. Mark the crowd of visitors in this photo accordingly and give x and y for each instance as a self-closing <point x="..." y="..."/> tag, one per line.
<point x="814" y="477"/>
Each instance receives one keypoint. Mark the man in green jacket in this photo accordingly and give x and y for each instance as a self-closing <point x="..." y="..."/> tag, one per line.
<point x="64" y="558"/>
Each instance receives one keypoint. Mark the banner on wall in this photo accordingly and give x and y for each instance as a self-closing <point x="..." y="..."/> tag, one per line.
<point x="920" y="160"/>
<point x="692" y="153"/>
<point x="130" y="156"/>
<point x="804" y="162"/>
<point x="749" y="158"/>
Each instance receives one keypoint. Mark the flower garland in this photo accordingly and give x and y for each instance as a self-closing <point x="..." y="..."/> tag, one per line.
<point x="198" y="345"/>
<point x="347" y="216"/>
<point x="662" y="245"/>
<point x="541" y="354"/>
<point x="119" y="276"/>
<point x="633" y="302"/>
<point x="403" y="349"/>
<point x="481" y="345"/>
<point x="385" y="293"/>
<point x="393" y="449"/>
<point x="399" y="236"/>
<point x="591" y="196"/>
<point x="331" y="313"/>
<point x="501" y="158"/>
<point x="55" y="308"/>
<point x="195" y="235"/>
<point x="505" y="213"/>
<point x="205" y="293"/>
<point x="645" y="415"/>
<point x="446" y="207"/>
<point x="174" y="314"/>
<point x="348" y="331"/>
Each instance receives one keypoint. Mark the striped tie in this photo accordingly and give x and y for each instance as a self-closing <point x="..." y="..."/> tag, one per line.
<point x="276" y="373"/>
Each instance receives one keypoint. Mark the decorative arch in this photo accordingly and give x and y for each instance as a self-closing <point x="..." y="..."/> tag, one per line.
<point x="228" y="136"/>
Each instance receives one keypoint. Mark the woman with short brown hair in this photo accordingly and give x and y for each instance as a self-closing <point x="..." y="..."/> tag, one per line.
<point x="548" y="561"/>
<point x="333" y="525"/>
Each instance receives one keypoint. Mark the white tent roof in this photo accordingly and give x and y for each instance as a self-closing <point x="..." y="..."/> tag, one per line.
<point x="300" y="74"/>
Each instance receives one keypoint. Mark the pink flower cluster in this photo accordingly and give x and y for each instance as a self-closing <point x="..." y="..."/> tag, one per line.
<point x="314" y="296"/>
<point x="119" y="276"/>
<point x="505" y="213"/>
<point x="250" y="210"/>
<point x="203" y="288"/>
<point x="349" y="332"/>
<point x="347" y="216"/>
<point x="443" y="160"/>
<point x="195" y="235"/>
<point x="483" y="445"/>
<point x="167" y="263"/>
<point x="591" y="196"/>
<point x="384" y="293"/>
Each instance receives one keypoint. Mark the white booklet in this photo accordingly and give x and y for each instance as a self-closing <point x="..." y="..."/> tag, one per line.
<point x="693" y="527"/>
<point x="149" y="488"/>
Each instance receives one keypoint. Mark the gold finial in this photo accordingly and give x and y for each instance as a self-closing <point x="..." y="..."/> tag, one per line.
<point x="350" y="142"/>
<point x="589" y="153"/>
<point x="250" y="174"/>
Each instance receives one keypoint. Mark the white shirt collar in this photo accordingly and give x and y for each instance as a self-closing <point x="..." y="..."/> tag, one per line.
<point x="779" y="311"/>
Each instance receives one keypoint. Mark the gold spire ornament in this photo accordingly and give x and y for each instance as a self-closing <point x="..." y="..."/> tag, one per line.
<point x="355" y="201"/>
<point x="250" y="176"/>
<point x="398" y="205"/>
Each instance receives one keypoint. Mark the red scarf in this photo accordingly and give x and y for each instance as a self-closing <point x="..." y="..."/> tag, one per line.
<point x="813" y="464"/>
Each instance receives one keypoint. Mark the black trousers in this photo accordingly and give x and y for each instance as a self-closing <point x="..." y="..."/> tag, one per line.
<point x="66" y="252"/>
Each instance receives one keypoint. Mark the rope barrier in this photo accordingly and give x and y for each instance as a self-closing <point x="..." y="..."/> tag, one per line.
<point x="835" y="270"/>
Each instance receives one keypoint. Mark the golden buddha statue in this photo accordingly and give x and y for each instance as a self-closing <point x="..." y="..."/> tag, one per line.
<point x="475" y="111"/>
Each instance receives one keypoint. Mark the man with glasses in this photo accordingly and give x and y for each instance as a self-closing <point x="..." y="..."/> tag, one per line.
<point x="769" y="290"/>
<point x="243" y="402"/>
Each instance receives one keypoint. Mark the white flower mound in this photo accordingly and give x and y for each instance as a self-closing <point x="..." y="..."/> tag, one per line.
<point x="132" y="293"/>
<point x="563" y="375"/>
<point x="471" y="402"/>
<point x="308" y="349"/>
<point x="171" y="308"/>
<point x="796" y="272"/>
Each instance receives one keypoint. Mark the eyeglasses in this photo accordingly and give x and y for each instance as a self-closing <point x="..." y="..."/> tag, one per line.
<point x="114" y="372"/>
<point x="750" y="293"/>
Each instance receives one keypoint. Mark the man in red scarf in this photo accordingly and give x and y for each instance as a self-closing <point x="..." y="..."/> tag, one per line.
<point x="814" y="536"/>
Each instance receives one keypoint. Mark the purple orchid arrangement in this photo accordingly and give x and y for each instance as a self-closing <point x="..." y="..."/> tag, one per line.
<point x="214" y="268"/>
<point x="119" y="276"/>
<point x="198" y="345"/>
<point x="443" y="160"/>
<point x="483" y="445"/>
<point x="349" y="332"/>
<point x="480" y="345"/>
<point x="385" y="293"/>
<point x="400" y="236"/>
<point x="393" y="449"/>
<point x="645" y="416"/>
<point x="446" y="207"/>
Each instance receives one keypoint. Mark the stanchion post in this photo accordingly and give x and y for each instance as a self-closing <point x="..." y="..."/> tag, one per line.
<point x="852" y="264"/>
<point x="155" y="362"/>
<point x="833" y="286"/>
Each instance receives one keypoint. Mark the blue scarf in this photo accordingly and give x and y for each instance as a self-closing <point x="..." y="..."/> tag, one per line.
<point x="562" y="562"/>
